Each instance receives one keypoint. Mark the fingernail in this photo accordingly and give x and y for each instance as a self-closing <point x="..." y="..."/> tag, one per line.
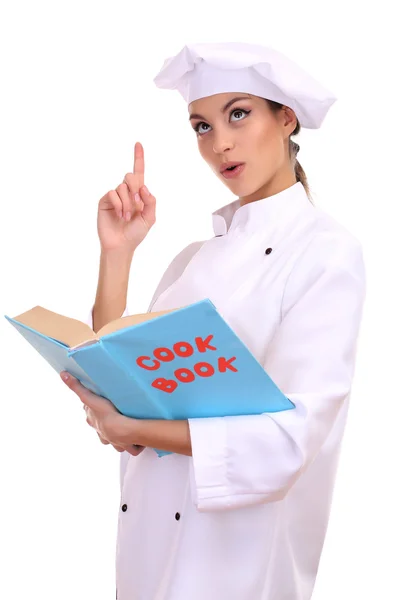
<point x="146" y="191"/>
<point x="64" y="376"/>
<point x="127" y="216"/>
<point x="137" y="197"/>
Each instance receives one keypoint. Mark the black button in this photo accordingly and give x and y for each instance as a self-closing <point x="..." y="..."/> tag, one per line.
<point x="177" y="516"/>
<point x="124" y="507"/>
<point x="268" y="251"/>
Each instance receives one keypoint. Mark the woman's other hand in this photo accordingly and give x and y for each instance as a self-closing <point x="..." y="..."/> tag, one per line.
<point x="134" y="449"/>
<point x="126" y="214"/>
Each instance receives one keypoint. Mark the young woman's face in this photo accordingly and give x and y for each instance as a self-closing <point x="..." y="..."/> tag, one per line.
<point x="247" y="131"/>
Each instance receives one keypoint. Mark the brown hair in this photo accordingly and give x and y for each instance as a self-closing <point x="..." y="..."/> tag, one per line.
<point x="293" y="150"/>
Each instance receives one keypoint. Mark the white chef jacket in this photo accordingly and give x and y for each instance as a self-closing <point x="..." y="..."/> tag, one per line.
<point x="245" y="517"/>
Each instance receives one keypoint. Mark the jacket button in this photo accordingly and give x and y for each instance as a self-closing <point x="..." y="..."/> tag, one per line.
<point x="177" y="516"/>
<point x="124" y="507"/>
<point x="268" y="251"/>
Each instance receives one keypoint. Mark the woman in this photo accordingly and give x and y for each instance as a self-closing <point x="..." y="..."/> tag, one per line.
<point x="240" y="508"/>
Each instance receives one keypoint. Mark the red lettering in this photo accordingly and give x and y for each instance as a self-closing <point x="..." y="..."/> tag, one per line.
<point x="202" y="369"/>
<point x="165" y="385"/>
<point x="188" y="349"/>
<point x="154" y="367"/>
<point x="203" y="345"/>
<point x="184" y="375"/>
<point x="168" y="354"/>
<point x="203" y="365"/>
<point x="224" y="364"/>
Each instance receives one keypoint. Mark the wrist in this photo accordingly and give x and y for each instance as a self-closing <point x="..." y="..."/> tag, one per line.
<point x="117" y="256"/>
<point x="164" y="434"/>
<point x="130" y="433"/>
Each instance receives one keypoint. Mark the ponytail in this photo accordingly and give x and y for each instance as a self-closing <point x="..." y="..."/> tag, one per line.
<point x="293" y="150"/>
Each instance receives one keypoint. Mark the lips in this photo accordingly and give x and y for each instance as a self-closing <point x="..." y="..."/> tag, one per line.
<point x="235" y="172"/>
<point x="228" y="165"/>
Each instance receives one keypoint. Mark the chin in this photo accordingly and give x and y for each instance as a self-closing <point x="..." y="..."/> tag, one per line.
<point x="240" y="187"/>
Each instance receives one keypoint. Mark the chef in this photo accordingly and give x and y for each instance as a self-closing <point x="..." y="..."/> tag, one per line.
<point x="239" y="508"/>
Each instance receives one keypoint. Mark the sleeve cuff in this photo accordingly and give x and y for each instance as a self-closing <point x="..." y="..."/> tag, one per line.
<point x="208" y="470"/>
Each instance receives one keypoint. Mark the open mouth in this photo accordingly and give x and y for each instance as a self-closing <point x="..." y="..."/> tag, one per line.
<point x="233" y="170"/>
<point x="233" y="167"/>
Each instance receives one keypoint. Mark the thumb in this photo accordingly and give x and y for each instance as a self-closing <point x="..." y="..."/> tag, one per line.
<point x="74" y="384"/>
<point x="97" y="403"/>
<point x="85" y="395"/>
<point x="134" y="449"/>
<point x="149" y="206"/>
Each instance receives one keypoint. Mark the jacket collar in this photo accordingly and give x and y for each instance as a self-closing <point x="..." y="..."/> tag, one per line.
<point x="255" y="215"/>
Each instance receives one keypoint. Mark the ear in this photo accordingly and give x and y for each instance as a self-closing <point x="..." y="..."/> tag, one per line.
<point x="289" y="120"/>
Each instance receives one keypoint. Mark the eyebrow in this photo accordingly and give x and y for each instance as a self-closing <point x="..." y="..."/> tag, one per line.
<point x="223" y="109"/>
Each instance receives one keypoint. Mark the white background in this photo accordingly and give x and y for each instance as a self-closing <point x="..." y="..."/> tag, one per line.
<point x="77" y="93"/>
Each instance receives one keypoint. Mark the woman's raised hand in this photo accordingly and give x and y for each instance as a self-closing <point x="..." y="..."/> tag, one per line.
<point x="126" y="214"/>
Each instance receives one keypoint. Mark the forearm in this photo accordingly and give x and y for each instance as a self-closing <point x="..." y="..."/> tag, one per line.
<point x="112" y="287"/>
<point x="170" y="436"/>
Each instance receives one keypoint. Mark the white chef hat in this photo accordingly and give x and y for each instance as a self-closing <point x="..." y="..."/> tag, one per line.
<point x="201" y="70"/>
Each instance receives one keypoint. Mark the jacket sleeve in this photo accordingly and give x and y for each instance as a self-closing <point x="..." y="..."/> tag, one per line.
<point x="245" y="460"/>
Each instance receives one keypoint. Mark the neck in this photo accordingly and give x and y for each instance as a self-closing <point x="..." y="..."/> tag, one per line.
<point x="277" y="184"/>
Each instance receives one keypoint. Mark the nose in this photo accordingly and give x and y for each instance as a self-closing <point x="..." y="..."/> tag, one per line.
<point x="222" y="142"/>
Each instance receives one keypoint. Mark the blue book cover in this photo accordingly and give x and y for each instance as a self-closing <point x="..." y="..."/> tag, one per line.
<point x="179" y="364"/>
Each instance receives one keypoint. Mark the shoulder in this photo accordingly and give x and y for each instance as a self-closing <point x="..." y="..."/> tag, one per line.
<point x="189" y="251"/>
<point x="175" y="268"/>
<point x="332" y="257"/>
<point x="331" y="242"/>
<point x="182" y="259"/>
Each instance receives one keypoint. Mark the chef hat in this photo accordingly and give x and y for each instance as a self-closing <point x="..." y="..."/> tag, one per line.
<point x="201" y="70"/>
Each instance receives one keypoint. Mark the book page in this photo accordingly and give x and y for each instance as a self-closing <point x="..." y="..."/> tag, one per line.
<point x="74" y="333"/>
<point x="123" y="322"/>
<point x="63" y="329"/>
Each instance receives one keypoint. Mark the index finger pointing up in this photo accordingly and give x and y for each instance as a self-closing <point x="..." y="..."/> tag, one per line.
<point x="138" y="164"/>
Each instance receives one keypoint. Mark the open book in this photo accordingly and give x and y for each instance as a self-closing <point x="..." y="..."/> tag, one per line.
<point x="177" y="364"/>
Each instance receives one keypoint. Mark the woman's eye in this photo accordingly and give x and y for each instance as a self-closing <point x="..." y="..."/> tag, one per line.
<point x="198" y="127"/>
<point x="244" y="112"/>
<point x="234" y="112"/>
